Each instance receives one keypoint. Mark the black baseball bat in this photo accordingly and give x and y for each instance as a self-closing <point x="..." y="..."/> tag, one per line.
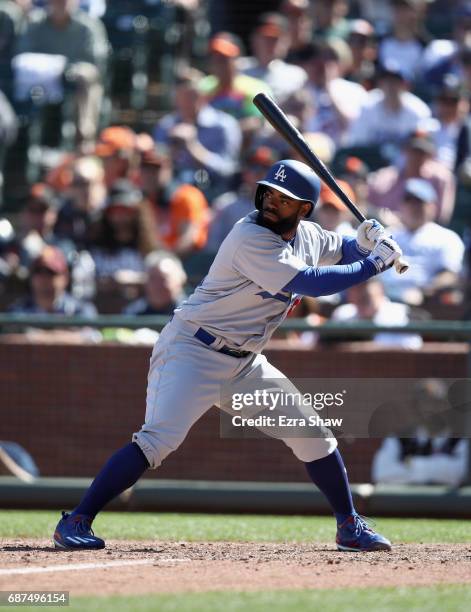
<point x="273" y="113"/>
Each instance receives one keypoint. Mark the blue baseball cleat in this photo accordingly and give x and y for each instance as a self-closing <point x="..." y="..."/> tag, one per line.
<point x="75" y="533"/>
<point x="355" y="534"/>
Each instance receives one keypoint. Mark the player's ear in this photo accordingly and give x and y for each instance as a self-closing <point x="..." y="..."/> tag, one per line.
<point x="306" y="208"/>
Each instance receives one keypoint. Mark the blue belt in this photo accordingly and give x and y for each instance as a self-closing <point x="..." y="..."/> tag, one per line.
<point x="208" y="339"/>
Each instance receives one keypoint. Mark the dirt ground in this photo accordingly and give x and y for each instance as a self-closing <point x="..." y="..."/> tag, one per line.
<point x="131" y="567"/>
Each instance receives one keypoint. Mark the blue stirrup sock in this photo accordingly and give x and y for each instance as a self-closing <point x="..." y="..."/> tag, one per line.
<point x="330" y="476"/>
<point x="122" y="470"/>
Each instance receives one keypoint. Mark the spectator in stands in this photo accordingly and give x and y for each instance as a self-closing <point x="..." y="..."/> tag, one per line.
<point x="423" y="459"/>
<point x="355" y="172"/>
<point x="226" y="88"/>
<point x="8" y="132"/>
<point x="181" y="210"/>
<point x="451" y="110"/>
<point x="300" y="108"/>
<point x="116" y="147"/>
<point x="443" y="57"/>
<point x="205" y="142"/>
<point x="386" y="186"/>
<point x="300" y="25"/>
<point x="363" y="47"/>
<point x="81" y="39"/>
<point x="390" y="113"/>
<point x="164" y="286"/>
<point x="49" y="279"/>
<point x="126" y="234"/>
<point x="435" y="253"/>
<point x="406" y="42"/>
<point x="11" y="19"/>
<point x="428" y="455"/>
<point x="9" y="256"/>
<point x="38" y="222"/>
<point x="269" y="43"/>
<point x="337" y="101"/>
<point x="83" y="200"/>
<point x="8" y="122"/>
<point x="331" y="213"/>
<point x="330" y="19"/>
<point x="368" y="302"/>
<point x="232" y="206"/>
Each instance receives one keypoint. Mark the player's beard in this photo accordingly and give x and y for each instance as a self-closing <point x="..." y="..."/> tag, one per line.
<point x="282" y="226"/>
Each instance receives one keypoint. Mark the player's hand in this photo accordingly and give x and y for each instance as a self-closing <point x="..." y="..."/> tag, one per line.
<point x="368" y="234"/>
<point x="384" y="254"/>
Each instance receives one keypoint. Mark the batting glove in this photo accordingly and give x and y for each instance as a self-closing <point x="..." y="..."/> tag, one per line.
<point x="368" y="234"/>
<point x="384" y="254"/>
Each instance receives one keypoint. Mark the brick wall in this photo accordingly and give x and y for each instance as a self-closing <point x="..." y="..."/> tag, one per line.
<point x="71" y="406"/>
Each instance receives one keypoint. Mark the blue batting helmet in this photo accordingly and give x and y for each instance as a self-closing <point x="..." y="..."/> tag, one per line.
<point x="294" y="179"/>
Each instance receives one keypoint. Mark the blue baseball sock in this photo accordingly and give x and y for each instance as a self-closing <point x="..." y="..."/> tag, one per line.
<point x="330" y="476"/>
<point x="121" y="471"/>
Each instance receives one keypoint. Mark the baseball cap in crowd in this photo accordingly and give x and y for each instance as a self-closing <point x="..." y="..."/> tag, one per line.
<point x="420" y="189"/>
<point x="452" y="88"/>
<point x="392" y="67"/>
<point x="354" y="166"/>
<point x="422" y="141"/>
<point x="51" y="258"/>
<point x="261" y="156"/>
<point x="124" y="194"/>
<point x="329" y="198"/>
<point x="115" y="139"/>
<point x="42" y="197"/>
<point x="361" y="27"/>
<point x="225" y="44"/>
<point x="272" y="25"/>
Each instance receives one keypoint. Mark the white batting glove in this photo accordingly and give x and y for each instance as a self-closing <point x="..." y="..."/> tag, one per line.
<point x="384" y="254"/>
<point x="368" y="233"/>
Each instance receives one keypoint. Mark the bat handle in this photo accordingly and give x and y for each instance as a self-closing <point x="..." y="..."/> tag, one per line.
<point x="401" y="265"/>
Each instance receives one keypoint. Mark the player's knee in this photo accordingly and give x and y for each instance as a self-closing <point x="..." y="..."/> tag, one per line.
<point x="311" y="449"/>
<point x="155" y="447"/>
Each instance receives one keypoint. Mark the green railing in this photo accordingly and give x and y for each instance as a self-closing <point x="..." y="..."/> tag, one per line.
<point x="437" y="330"/>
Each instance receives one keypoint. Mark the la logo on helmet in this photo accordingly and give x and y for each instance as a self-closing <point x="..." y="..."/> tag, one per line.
<point x="280" y="174"/>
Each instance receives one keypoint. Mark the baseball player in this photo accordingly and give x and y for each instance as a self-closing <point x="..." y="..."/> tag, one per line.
<point x="270" y="257"/>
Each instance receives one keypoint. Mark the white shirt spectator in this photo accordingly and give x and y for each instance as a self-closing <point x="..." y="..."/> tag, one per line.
<point x="407" y="53"/>
<point x="349" y="97"/>
<point x="436" y="468"/>
<point x="377" y="124"/>
<point x="431" y="249"/>
<point x="389" y="313"/>
<point x="283" y="79"/>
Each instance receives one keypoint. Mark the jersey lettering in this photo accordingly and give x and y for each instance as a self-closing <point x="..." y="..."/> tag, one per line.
<point x="280" y="174"/>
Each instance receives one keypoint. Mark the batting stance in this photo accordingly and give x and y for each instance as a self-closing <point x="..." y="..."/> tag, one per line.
<point x="270" y="257"/>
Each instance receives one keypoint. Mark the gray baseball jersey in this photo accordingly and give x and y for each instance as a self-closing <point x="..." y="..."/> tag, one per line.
<point x="241" y="299"/>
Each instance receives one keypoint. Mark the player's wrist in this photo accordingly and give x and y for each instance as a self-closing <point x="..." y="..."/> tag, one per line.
<point x="363" y="250"/>
<point x="372" y="265"/>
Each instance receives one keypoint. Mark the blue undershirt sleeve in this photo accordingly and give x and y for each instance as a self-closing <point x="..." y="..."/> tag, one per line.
<point x="351" y="251"/>
<point x="329" y="280"/>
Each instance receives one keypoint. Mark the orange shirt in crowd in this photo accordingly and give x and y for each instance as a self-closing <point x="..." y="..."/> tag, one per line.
<point x="187" y="205"/>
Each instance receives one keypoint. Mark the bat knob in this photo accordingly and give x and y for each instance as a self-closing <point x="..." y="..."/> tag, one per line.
<point x="401" y="265"/>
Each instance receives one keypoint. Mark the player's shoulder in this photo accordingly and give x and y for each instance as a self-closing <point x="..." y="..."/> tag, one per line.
<point x="310" y="230"/>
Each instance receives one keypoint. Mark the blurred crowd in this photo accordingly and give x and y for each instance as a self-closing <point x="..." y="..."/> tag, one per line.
<point x="125" y="216"/>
